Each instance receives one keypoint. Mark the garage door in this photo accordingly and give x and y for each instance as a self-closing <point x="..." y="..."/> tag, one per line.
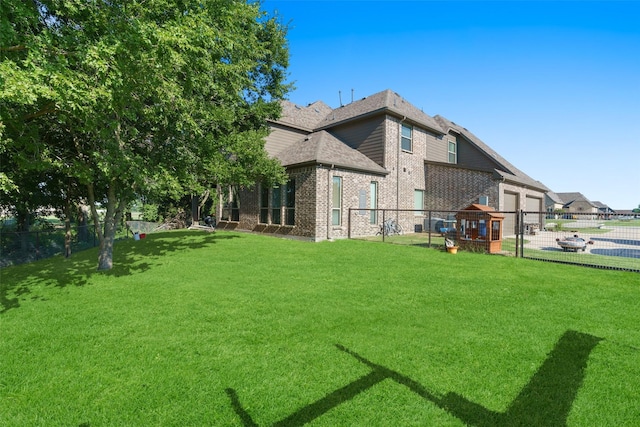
<point x="510" y="205"/>
<point x="533" y="204"/>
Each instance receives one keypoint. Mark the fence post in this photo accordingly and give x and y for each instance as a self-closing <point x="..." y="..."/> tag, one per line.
<point x="349" y="224"/>
<point x="383" y="221"/>
<point x="429" y="230"/>
<point x="521" y="232"/>
<point x="517" y="232"/>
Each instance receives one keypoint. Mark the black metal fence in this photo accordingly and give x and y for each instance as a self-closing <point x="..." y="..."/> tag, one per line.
<point x="588" y="239"/>
<point x="27" y="246"/>
<point x="602" y="241"/>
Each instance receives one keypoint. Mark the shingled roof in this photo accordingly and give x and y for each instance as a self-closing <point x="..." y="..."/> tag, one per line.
<point x="305" y="118"/>
<point x="386" y="101"/>
<point x="504" y="169"/>
<point x="322" y="147"/>
<point x="570" y="198"/>
<point x="554" y="197"/>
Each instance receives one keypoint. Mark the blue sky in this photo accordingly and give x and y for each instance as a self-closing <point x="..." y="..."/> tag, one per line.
<point x="554" y="87"/>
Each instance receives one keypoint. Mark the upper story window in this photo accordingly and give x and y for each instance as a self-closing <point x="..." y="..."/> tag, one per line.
<point x="406" y="138"/>
<point x="453" y="152"/>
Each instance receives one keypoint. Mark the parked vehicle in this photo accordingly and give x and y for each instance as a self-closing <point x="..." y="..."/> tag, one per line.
<point x="573" y="243"/>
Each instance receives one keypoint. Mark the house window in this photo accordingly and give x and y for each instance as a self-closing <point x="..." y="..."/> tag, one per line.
<point x="453" y="152"/>
<point x="278" y="203"/>
<point x="373" y="203"/>
<point x="290" y="202"/>
<point x="406" y="138"/>
<point x="336" y="210"/>
<point x="264" y="205"/>
<point x="230" y="205"/>
<point x="418" y="202"/>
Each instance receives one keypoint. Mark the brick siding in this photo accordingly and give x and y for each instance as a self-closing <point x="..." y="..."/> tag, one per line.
<point x="450" y="187"/>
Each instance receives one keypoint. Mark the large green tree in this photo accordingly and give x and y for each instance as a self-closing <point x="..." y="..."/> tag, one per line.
<point x="129" y="96"/>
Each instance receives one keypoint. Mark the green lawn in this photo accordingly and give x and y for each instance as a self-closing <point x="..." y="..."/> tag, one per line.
<point x="194" y="329"/>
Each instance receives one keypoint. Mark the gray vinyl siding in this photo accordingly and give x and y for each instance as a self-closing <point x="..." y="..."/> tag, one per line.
<point x="471" y="157"/>
<point x="468" y="155"/>
<point x="438" y="148"/>
<point x="282" y="137"/>
<point x="366" y="136"/>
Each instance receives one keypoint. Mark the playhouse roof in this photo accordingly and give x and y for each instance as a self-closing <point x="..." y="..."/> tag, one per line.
<point x="482" y="208"/>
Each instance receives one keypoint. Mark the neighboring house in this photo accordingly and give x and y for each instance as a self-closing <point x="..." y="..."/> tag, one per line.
<point x="627" y="213"/>
<point x="604" y="211"/>
<point x="578" y="203"/>
<point x="380" y="152"/>
<point x="553" y="202"/>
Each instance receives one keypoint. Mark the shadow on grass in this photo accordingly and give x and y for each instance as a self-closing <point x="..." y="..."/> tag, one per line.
<point x="129" y="257"/>
<point x="545" y="400"/>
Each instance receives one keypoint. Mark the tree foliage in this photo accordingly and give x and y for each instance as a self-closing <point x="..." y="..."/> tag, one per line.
<point x="129" y="97"/>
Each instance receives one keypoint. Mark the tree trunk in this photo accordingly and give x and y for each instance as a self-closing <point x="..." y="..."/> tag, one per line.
<point x="83" y="213"/>
<point x="67" y="237"/>
<point x="22" y="227"/>
<point x="67" y="224"/>
<point x="105" y="256"/>
<point x="106" y="233"/>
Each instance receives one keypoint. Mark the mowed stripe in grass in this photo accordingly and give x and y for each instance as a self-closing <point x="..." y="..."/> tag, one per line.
<point x="230" y="328"/>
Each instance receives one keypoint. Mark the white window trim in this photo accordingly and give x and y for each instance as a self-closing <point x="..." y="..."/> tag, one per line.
<point x="422" y="194"/>
<point x="339" y="208"/>
<point x="410" y="138"/>
<point x="449" y="152"/>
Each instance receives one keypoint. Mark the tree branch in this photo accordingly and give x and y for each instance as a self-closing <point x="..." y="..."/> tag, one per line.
<point x="48" y="109"/>
<point x="94" y="212"/>
<point x="13" y="48"/>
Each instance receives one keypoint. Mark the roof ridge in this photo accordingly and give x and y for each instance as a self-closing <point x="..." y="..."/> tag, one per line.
<point x="385" y="100"/>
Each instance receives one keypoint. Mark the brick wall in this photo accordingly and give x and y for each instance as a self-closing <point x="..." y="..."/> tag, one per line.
<point x="305" y="209"/>
<point x="353" y="185"/>
<point x="452" y="188"/>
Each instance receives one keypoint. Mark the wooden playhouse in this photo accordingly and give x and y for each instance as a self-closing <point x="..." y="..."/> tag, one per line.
<point x="479" y="228"/>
